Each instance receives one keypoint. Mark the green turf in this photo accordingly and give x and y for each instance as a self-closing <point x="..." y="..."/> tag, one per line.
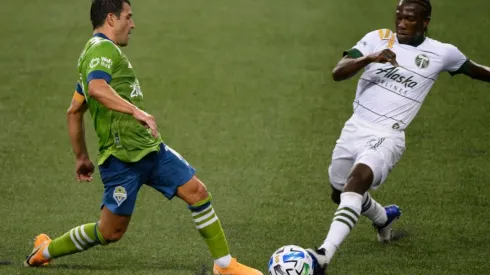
<point x="243" y="90"/>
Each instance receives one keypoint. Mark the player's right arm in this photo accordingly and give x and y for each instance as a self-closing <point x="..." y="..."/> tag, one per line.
<point x="362" y="55"/>
<point x="99" y="65"/>
<point x="76" y="130"/>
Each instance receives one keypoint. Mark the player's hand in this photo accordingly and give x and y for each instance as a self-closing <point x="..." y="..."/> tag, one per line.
<point x="84" y="169"/>
<point x="385" y="56"/>
<point x="147" y="120"/>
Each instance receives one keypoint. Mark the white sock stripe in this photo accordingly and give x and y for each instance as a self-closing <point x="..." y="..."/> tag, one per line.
<point x="337" y="218"/>
<point x="197" y="213"/>
<point x="72" y="236"/>
<point x="80" y="240"/>
<point x="211" y="221"/>
<point x="85" y="236"/>
<point x="200" y="219"/>
<point x="347" y="213"/>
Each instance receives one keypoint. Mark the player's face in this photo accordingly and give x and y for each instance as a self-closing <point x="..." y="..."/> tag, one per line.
<point x="124" y="25"/>
<point x="410" y="22"/>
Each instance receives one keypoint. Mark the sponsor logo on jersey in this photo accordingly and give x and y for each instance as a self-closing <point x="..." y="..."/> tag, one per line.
<point x="392" y="73"/>
<point x="106" y="62"/>
<point x="422" y="61"/>
<point x="120" y="195"/>
<point x="94" y="62"/>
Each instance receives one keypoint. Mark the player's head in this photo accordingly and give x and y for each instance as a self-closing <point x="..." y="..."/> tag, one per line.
<point x="412" y="20"/>
<point x="115" y="16"/>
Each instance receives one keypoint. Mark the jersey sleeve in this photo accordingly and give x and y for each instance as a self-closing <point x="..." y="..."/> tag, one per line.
<point x="369" y="43"/>
<point x="100" y="61"/>
<point x="453" y="59"/>
<point x="78" y="94"/>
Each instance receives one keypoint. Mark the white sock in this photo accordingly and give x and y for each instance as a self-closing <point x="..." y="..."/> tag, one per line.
<point x="46" y="254"/>
<point x="223" y="262"/>
<point x="373" y="210"/>
<point x="344" y="221"/>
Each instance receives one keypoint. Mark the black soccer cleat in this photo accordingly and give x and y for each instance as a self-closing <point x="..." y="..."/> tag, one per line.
<point x="320" y="260"/>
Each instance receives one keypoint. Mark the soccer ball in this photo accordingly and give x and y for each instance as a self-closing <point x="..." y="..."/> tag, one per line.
<point x="291" y="260"/>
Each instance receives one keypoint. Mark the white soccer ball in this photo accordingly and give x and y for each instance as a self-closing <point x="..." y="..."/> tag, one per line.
<point x="291" y="260"/>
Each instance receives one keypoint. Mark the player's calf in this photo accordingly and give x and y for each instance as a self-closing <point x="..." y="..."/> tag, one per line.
<point x="194" y="193"/>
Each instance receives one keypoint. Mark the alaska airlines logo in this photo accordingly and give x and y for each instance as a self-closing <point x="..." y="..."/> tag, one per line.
<point x="392" y="73"/>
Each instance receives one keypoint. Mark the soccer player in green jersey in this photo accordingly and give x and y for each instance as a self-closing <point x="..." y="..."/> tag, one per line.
<point x="131" y="151"/>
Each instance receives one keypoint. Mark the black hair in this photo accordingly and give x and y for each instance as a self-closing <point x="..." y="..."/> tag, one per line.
<point x="101" y="8"/>
<point x="425" y="4"/>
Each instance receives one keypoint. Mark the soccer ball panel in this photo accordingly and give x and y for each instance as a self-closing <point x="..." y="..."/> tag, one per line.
<point x="290" y="260"/>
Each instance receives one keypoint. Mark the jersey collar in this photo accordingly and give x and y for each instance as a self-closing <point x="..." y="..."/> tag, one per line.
<point x="101" y="35"/>
<point x="415" y="46"/>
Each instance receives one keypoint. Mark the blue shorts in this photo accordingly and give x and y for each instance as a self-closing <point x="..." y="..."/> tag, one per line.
<point x="165" y="171"/>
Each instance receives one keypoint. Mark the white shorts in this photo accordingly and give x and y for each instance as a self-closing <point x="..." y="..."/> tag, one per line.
<point x="368" y="143"/>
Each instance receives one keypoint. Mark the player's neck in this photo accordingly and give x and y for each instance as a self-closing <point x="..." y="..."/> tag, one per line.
<point x="417" y="41"/>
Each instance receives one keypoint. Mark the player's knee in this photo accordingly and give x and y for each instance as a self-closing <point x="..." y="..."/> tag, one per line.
<point x="197" y="191"/>
<point x="201" y="193"/>
<point x="360" y="179"/>
<point x="362" y="173"/>
<point x="113" y="235"/>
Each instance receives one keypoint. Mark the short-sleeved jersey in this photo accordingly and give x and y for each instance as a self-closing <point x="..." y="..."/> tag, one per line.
<point x="391" y="95"/>
<point x="119" y="134"/>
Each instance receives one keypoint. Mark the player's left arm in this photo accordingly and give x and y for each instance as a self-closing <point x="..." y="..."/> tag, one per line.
<point x="475" y="71"/>
<point x="76" y="131"/>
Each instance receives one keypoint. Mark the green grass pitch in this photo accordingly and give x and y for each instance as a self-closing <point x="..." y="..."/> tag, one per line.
<point x="243" y="90"/>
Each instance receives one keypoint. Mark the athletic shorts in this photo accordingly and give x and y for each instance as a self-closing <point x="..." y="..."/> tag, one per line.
<point x="368" y="143"/>
<point x="164" y="170"/>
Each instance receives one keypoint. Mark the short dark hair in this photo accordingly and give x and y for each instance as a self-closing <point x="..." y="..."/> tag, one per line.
<point x="101" y="8"/>
<point x="425" y="4"/>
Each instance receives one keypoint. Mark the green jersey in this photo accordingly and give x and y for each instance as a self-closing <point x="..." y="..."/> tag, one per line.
<point x="119" y="134"/>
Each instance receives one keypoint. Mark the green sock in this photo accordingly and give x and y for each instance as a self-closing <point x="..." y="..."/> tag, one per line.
<point x="210" y="228"/>
<point x="76" y="240"/>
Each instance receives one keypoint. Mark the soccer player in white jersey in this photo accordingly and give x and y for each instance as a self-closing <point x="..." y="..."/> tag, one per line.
<point x="400" y="69"/>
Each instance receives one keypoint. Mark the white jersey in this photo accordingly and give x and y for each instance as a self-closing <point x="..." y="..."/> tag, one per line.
<point x="392" y="96"/>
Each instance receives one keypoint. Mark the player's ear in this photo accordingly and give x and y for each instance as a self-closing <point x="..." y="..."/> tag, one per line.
<point x="426" y="23"/>
<point x="111" y="19"/>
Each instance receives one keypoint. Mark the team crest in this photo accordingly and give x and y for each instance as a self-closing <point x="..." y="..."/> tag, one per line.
<point x="422" y="61"/>
<point x="120" y="195"/>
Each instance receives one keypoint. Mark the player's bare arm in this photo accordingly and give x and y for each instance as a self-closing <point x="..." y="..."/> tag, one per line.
<point x="348" y="66"/>
<point x="103" y="93"/>
<point x="476" y="71"/>
<point x="76" y="129"/>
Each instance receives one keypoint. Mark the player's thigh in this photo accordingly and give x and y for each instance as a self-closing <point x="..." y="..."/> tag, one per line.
<point x="381" y="155"/>
<point x="171" y="172"/>
<point x="122" y="182"/>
